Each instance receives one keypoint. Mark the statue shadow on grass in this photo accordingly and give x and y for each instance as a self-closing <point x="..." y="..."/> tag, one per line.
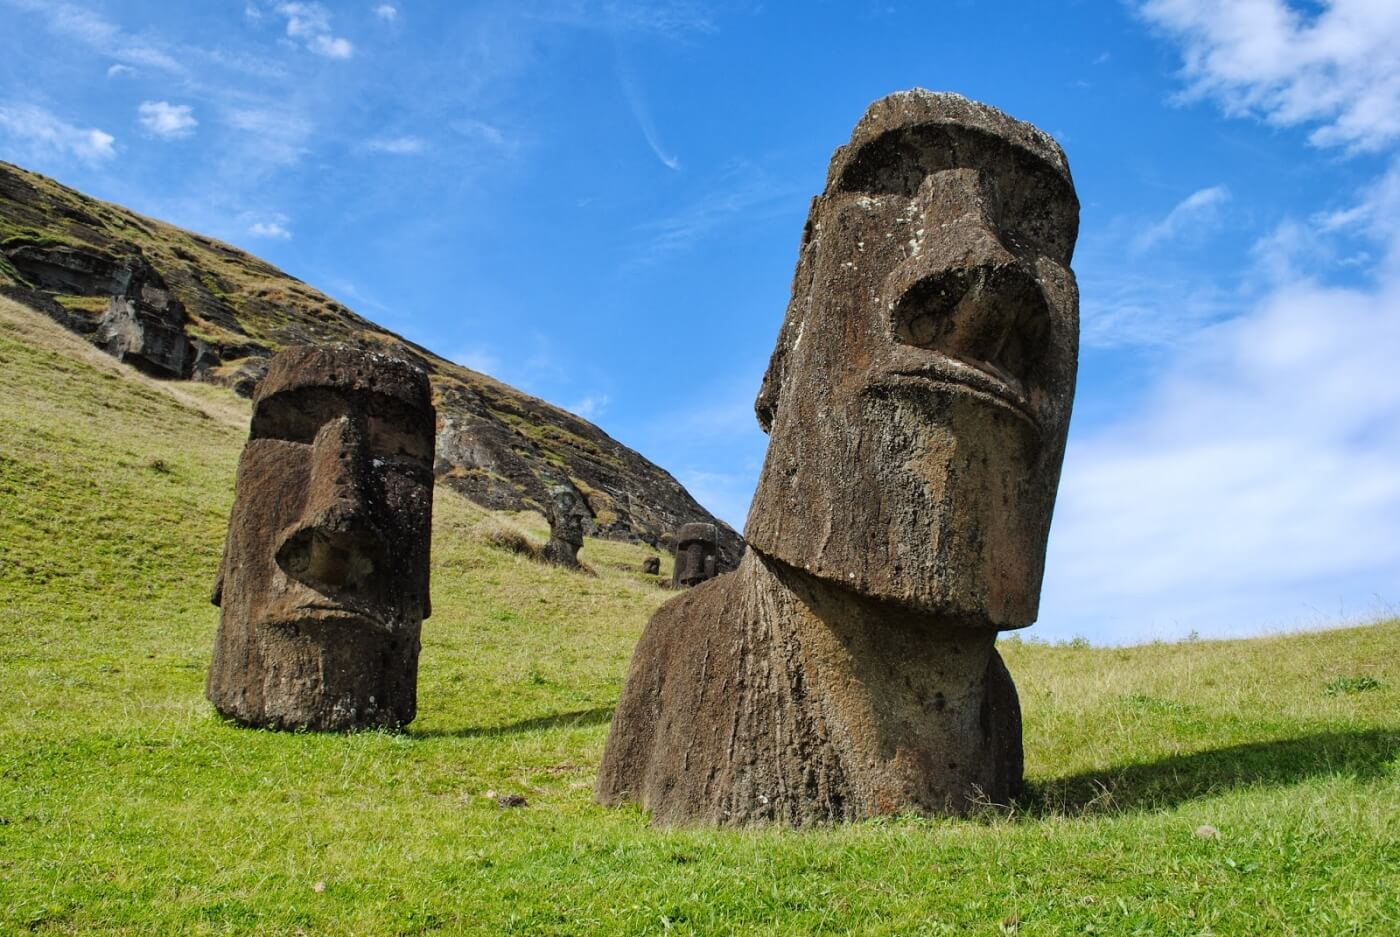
<point x="568" y="720"/>
<point x="1171" y="781"/>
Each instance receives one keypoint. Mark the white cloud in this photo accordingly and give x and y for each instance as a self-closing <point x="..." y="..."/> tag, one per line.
<point x="1198" y="210"/>
<point x="1259" y="477"/>
<point x="272" y="226"/>
<point x="481" y="130"/>
<point x="589" y="407"/>
<point x="37" y="131"/>
<point x="387" y="12"/>
<point x="310" y="24"/>
<point x="99" y="34"/>
<point x="171" y="121"/>
<point x="398" y="146"/>
<point x="1336" y="65"/>
<point x="1255" y="486"/>
<point x="118" y="70"/>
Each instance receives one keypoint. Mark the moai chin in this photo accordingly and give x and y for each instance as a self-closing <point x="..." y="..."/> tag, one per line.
<point x="696" y="548"/>
<point x="917" y="402"/>
<point x="565" y="516"/>
<point x="324" y="580"/>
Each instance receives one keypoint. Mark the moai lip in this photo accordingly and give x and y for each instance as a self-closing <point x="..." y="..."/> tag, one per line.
<point x="917" y="402"/>
<point x="324" y="581"/>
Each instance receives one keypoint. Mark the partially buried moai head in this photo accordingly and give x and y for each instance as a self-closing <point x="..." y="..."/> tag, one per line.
<point x="919" y="396"/>
<point x="696" y="548"/>
<point x="324" y="581"/>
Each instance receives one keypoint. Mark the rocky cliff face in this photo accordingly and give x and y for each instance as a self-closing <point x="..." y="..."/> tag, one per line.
<point x="182" y="306"/>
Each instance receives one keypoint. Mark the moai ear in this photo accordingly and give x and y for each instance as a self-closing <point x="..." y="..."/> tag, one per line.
<point x="765" y="407"/>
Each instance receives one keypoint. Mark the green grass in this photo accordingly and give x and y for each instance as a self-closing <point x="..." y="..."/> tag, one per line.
<point x="126" y="806"/>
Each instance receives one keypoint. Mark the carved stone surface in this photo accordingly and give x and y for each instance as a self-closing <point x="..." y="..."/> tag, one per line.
<point x="918" y="400"/>
<point x="566" y="514"/>
<point x="651" y="565"/>
<point x="324" y="579"/>
<point x="696" y="546"/>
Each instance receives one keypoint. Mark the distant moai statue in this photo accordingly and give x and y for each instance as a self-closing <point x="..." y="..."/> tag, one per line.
<point x="696" y="546"/>
<point x="324" y="579"/>
<point x="651" y="565"/>
<point x="918" y="401"/>
<point x="565" y="527"/>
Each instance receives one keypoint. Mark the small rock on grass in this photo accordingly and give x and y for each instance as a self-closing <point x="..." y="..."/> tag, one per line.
<point x="1206" y="831"/>
<point x="511" y="800"/>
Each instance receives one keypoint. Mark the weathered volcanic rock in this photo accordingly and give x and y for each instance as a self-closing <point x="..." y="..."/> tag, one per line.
<point x="324" y="579"/>
<point x="225" y="313"/>
<point x="918" y="401"/>
<point x="144" y="326"/>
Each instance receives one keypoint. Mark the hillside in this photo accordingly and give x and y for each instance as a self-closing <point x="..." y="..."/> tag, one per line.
<point x="190" y="307"/>
<point x="127" y="807"/>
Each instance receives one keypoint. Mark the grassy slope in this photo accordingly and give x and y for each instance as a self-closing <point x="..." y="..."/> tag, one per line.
<point x="126" y="806"/>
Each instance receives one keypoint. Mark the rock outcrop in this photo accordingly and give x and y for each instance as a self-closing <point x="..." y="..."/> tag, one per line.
<point x="918" y="401"/>
<point x="181" y="305"/>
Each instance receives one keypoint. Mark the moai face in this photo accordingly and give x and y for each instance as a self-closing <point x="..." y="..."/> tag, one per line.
<point x="565" y="516"/>
<point x="326" y="558"/>
<point x="919" y="396"/>
<point x="696" y="546"/>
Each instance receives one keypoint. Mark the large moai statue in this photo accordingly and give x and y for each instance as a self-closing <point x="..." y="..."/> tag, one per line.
<point x="565" y="517"/>
<point x="324" y="580"/>
<point x="917" y="400"/>
<point x="697" y="546"/>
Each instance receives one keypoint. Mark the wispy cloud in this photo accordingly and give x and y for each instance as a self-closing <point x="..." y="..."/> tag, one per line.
<point x="281" y="136"/>
<point x="387" y="12"/>
<point x="740" y="190"/>
<point x="1198" y="210"/>
<point x="273" y="226"/>
<point x="1333" y="64"/>
<point x="590" y="407"/>
<point x="310" y="24"/>
<point x="116" y="71"/>
<point x="636" y="101"/>
<point x="396" y="146"/>
<point x="166" y="120"/>
<point x="100" y="34"/>
<point x="34" y="130"/>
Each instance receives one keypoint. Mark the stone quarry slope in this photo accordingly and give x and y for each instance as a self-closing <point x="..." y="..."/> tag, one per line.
<point x="182" y="306"/>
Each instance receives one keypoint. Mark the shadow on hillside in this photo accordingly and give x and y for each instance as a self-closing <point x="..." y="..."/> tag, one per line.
<point x="569" y="720"/>
<point x="1175" y="780"/>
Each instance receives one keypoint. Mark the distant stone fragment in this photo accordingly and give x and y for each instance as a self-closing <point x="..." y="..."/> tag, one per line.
<point x="651" y="565"/>
<point x="565" y="527"/>
<point x="696" y="546"/>
<point x="918" y="400"/>
<point x="324" y="580"/>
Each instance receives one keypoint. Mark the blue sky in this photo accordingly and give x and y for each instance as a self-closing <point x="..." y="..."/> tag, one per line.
<point x="600" y="203"/>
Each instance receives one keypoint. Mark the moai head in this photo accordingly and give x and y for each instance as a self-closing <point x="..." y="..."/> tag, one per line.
<point x="565" y="516"/>
<point x="326" y="558"/>
<point x="696" y="546"/>
<point x="919" y="395"/>
<point x="651" y="565"/>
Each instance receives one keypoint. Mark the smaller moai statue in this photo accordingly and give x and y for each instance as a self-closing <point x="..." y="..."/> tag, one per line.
<point x="565" y="527"/>
<point x="324" y="580"/>
<point x="651" y="565"/>
<point x="696" y="546"/>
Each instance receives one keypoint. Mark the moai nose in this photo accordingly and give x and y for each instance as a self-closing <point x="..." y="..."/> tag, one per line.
<point x="963" y="292"/>
<point x="337" y="546"/>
